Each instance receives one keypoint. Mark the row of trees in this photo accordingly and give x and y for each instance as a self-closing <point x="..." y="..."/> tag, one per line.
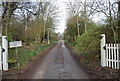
<point x="28" y="21"/>
<point x="81" y="14"/>
<point x="85" y="34"/>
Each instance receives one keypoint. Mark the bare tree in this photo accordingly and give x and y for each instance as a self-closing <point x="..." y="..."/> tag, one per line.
<point x="118" y="30"/>
<point x="110" y="11"/>
<point x="85" y="9"/>
<point x="8" y="9"/>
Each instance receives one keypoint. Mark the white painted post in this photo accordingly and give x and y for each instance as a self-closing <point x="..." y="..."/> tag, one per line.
<point x="103" y="51"/>
<point x="112" y="48"/>
<point x="118" y="66"/>
<point x="5" y="53"/>
<point x="107" y="53"/>
<point x="115" y="59"/>
<point x="0" y="58"/>
<point x="0" y="63"/>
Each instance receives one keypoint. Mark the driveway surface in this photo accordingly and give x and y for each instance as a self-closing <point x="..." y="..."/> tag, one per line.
<point x="59" y="64"/>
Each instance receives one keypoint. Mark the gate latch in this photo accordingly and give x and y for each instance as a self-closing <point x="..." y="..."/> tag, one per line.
<point x="104" y="47"/>
<point x="3" y="50"/>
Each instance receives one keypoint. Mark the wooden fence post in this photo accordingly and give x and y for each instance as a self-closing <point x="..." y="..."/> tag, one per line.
<point x="103" y="51"/>
<point x="0" y="58"/>
<point x="0" y="63"/>
<point x="118" y="59"/>
<point x="5" y="53"/>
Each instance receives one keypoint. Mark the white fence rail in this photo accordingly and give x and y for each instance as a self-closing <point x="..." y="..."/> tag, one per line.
<point x="110" y="54"/>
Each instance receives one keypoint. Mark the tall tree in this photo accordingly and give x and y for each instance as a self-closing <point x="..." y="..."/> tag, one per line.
<point x="118" y="30"/>
<point x="8" y="9"/>
<point x="85" y="9"/>
<point x="107" y="8"/>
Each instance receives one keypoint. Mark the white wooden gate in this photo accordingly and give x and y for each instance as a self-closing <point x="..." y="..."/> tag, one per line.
<point x="110" y="54"/>
<point x="0" y="63"/>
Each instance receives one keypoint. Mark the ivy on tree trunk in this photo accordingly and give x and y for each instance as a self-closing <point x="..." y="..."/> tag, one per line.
<point x="118" y="30"/>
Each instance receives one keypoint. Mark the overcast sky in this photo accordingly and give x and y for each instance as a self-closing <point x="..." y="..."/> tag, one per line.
<point x="62" y="16"/>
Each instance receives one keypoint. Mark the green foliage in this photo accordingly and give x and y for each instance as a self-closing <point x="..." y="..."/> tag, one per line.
<point x="55" y="41"/>
<point x="71" y="32"/>
<point x="35" y="53"/>
<point x="24" y="55"/>
<point x="9" y="38"/>
<point x="88" y="43"/>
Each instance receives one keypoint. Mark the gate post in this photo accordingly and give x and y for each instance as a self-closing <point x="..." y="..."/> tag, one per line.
<point x="103" y="55"/>
<point x="0" y="63"/>
<point x="5" y="52"/>
<point x="0" y="58"/>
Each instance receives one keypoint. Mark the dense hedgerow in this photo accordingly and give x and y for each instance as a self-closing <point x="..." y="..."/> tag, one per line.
<point x="88" y="43"/>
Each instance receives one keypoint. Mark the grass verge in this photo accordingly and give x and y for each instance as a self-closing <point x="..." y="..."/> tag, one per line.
<point x="25" y="53"/>
<point x="92" y="66"/>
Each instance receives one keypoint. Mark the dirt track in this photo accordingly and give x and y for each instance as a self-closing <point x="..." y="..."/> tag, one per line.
<point x="58" y="64"/>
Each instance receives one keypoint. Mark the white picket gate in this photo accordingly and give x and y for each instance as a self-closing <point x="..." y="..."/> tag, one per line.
<point x="110" y="54"/>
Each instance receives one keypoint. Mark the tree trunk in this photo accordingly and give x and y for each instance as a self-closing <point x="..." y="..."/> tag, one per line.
<point x="118" y="29"/>
<point x="8" y="9"/>
<point x="78" y="27"/>
<point x="85" y="16"/>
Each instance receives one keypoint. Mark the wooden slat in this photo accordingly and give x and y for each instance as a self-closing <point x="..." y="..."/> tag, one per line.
<point x="109" y="56"/>
<point x="107" y="52"/>
<point x="117" y="56"/>
<point x="112" y="55"/>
